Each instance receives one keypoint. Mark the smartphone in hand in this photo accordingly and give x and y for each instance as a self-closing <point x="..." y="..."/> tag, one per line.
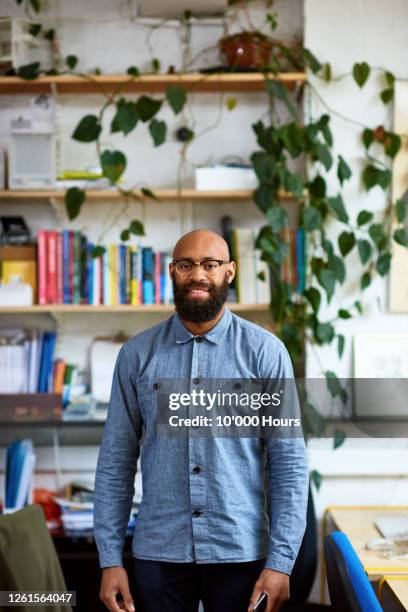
<point x="261" y="602"/>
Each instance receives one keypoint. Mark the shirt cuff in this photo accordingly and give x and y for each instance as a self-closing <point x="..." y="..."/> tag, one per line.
<point x="110" y="559"/>
<point x="279" y="563"/>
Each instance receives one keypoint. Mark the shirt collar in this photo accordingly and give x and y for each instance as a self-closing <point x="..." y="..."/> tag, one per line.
<point x="214" y="335"/>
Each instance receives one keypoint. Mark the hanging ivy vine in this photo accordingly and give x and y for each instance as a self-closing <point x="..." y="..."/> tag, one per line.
<point x="296" y="317"/>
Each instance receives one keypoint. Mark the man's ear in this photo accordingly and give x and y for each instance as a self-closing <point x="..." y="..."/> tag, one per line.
<point x="231" y="270"/>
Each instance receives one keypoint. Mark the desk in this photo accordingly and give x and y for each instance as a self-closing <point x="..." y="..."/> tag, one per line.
<point x="357" y="522"/>
<point x="393" y="591"/>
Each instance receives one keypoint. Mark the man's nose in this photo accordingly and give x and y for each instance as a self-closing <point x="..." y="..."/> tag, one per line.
<point x="198" y="274"/>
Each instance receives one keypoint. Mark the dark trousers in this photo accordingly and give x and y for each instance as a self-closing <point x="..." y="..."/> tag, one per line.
<point x="178" y="587"/>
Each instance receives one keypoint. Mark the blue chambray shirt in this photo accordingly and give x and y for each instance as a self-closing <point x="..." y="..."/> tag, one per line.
<point x="219" y="513"/>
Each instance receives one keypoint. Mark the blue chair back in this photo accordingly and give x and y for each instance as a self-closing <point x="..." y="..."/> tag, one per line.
<point x="349" y="587"/>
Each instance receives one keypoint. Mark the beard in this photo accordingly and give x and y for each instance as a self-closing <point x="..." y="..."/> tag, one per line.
<point x="196" y="310"/>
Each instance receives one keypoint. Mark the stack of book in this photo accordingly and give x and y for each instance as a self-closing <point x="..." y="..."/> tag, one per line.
<point x="77" y="507"/>
<point x="124" y="274"/>
<point x="20" y="461"/>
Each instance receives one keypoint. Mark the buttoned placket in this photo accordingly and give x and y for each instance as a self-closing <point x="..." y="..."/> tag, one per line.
<point x="197" y="450"/>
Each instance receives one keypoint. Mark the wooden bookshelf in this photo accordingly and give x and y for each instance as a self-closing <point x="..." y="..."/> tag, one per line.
<point x="165" y="195"/>
<point x="120" y="308"/>
<point x="154" y="83"/>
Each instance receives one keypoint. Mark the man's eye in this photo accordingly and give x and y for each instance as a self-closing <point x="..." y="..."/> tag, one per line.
<point x="184" y="266"/>
<point x="210" y="265"/>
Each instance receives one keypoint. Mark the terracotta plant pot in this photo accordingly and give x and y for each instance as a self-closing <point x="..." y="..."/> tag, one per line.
<point x="246" y="50"/>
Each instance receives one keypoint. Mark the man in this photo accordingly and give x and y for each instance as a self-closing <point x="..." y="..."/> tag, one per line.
<point x="202" y="531"/>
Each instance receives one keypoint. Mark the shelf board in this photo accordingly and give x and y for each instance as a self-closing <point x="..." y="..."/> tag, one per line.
<point x="194" y="82"/>
<point x="120" y="308"/>
<point x="165" y="195"/>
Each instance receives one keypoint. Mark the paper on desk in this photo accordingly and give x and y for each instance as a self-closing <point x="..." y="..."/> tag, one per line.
<point x="103" y="358"/>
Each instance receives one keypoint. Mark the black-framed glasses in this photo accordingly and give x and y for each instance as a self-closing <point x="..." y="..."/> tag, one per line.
<point x="209" y="266"/>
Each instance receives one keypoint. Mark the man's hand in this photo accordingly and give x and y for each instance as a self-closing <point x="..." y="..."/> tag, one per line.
<point x="275" y="585"/>
<point x="114" y="581"/>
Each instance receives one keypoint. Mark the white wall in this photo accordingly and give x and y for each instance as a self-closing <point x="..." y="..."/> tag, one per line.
<point x="342" y="33"/>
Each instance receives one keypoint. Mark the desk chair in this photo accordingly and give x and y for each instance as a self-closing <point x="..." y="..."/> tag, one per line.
<point x="349" y="587"/>
<point x="28" y="560"/>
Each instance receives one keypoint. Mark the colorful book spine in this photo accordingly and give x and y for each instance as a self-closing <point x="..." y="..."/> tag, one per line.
<point x="42" y="268"/>
<point x="157" y="279"/>
<point x="148" y="275"/>
<point x="60" y="269"/>
<point x="134" y="275"/>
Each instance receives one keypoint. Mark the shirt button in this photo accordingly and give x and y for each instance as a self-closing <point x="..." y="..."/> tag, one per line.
<point x="237" y="385"/>
<point x="198" y="338"/>
<point x="196" y="470"/>
<point x="156" y="386"/>
<point x="196" y="380"/>
<point x="196" y="513"/>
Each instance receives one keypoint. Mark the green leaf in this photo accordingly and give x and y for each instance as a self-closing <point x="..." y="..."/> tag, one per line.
<point x="323" y="126"/>
<point x="392" y="144"/>
<point x="176" y="97"/>
<point x="317" y="187"/>
<point x="401" y="236"/>
<point x="340" y="344"/>
<point x="387" y="95"/>
<point x="88" y="129"/>
<point x="343" y="170"/>
<point x="367" y="137"/>
<point x="71" y="61"/>
<point x="313" y="296"/>
<point x="133" y="71"/>
<point x="377" y="235"/>
<point x="336" y="265"/>
<point x="147" y="107"/>
<point x="401" y="210"/>
<point x="389" y="78"/>
<point x="373" y="176"/>
<point x="325" y="332"/>
<point x="74" y="198"/>
<point x="361" y="72"/>
<point x="35" y="29"/>
<point x="294" y="184"/>
<point x="311" y="218"/>
<point x="327" y="280"/>
<point x="339" y="438"/>
<point x="323" y="155"/>
<point x="136" y="228"/>
<point x="126" y="117"/>
<point x="311" y="61"/>
<point x="277" y="217"/>
<point x="358" y="306"/>
<point x="231" y="103"/>
<point x="383" y="264"/>
<point x="346" y="242"/>
<point x="344" y="314"/>
<point x="98" y="251"/>
<point x="264" y="166"/>
<point x="113" y="164"/>
<point x="334" y="386"/>
<point x="156" y="65"/>
<point x="35" y="5"/>
<point x="316" y="478"/>
<point x="327" y="72"/>
<point x="277" y="90"/>
<point x="157" y="130"/>
<point x="337" y="206"/>
<point x="363" y="217"/>
<point x="125" y="235"/>
<point x="364" y="250"/>
<point x="49" y="35"/>
<point x="29" y="72"/>
<point x="149" y="194"/>
<point x="365" y="280"/>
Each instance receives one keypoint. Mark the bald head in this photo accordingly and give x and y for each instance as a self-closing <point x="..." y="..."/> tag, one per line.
<point x="200" y="244"/>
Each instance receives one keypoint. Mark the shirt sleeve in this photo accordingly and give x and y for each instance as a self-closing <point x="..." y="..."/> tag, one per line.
<point x="287" y="471"/>
<point x="116" y="465"/>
